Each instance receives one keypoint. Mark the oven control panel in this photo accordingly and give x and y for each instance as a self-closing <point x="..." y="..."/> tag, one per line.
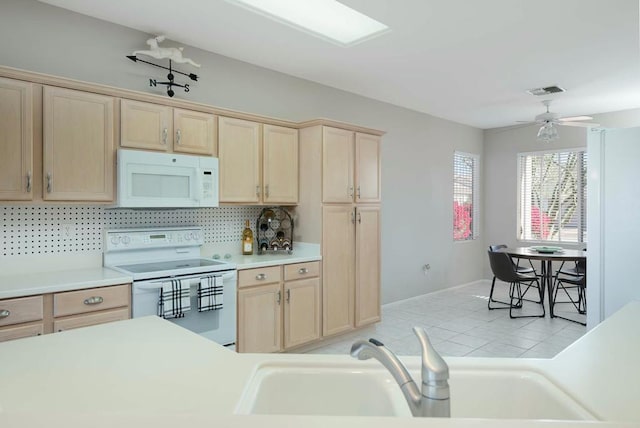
<point x="134" y="239"/>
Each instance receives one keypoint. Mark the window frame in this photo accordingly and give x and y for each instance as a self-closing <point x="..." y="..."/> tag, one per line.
<point x="475" y="188"/>
<point x="519" y="225"/>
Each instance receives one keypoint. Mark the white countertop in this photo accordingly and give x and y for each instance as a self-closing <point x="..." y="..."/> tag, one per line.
<point x="150" y="372"/>
<point x="52" y="282"/>
<point x="302" y="252"/>
<point x="41" y="282"/>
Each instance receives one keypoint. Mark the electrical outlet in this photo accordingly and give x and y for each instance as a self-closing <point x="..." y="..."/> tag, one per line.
<point x="67" y="230"/>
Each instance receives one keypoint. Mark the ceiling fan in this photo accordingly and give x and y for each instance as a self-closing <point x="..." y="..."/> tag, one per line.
<point x="548" y="120"/>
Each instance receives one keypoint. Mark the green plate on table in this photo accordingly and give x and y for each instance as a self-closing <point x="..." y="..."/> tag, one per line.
<point x="547" y="250"/>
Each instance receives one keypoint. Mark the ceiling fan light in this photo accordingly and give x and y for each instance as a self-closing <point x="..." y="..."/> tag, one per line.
<point x="547" y="133"/>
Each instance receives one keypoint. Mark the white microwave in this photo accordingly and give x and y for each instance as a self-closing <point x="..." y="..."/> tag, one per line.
<point x="166" y="180"/>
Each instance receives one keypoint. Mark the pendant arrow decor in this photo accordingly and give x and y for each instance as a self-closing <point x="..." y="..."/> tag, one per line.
<point x="173" y="55"/>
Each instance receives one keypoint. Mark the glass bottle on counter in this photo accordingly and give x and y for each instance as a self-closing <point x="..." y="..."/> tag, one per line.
<point x="247" y="240"/>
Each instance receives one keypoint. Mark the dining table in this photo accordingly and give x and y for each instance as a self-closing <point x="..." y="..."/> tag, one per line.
<point x="546" y="264"/>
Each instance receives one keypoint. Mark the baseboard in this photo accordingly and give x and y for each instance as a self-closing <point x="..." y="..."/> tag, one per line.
<point x="409" y="299"/>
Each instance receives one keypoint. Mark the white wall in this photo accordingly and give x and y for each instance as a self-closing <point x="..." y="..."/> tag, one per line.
<point x="417" y="151"/>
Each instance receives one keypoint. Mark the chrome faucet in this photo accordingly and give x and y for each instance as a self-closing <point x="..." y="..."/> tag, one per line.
<point x="433" y="401"/>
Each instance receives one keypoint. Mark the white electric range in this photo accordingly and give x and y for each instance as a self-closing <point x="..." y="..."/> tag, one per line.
<point x="154" y="256"/>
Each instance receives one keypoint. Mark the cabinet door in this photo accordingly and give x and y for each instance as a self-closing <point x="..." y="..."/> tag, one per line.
<point x="78" y="146"/>
<point x="239" y="156"/>
<point x="145" y="126"/>
<point x="195" y="132"/>
<point x="367" y="265"/>
<point x="367" y="168"/>
<point x="20" y="331"/>
<point x="260" y="319"/>
<point x="337" y="165"/>
<point x="301" y="312"/>
<point x="86" y="320"/>
<point x="280" y="165"/>
<point x="16" y="140"/>
<point x="338" y="276"/>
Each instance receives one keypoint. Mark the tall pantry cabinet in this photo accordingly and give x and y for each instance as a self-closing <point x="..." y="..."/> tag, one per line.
<point x="340" y="207"/>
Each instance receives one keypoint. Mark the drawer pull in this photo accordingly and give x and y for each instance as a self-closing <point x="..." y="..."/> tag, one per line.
<point x="95" y="300"/>
<point x="4" y="313"/>
<point x="261" y="277"/>
<point x="302" y="271"/>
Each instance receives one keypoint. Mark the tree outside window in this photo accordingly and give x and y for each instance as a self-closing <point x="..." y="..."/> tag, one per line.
<point x="465" y="197"/>
<point x="553" y="196"/>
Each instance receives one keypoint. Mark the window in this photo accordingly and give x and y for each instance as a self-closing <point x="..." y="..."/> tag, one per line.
<point x="466" y="219"/>
<point x="553" y="196"/>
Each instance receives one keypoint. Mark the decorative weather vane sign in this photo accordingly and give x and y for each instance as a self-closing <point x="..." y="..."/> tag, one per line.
<point x="173" y="55"/>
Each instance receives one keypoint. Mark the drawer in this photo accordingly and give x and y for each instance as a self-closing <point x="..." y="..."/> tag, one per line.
<point x="18" y="332"/>
<point x="301" y="271"/>
<point x="258" y="276"/>
<point x="90" y="300"/>
<point x="91" y="319"/>
<point x="23" y="309"/>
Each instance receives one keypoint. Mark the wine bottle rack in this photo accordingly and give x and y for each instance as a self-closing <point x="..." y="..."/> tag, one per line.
<point x="274" y="231"/>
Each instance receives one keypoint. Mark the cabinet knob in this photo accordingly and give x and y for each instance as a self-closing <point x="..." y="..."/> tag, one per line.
<point x="94" y="300"/>
<point x="29" y="181"/>
<point x="288" y="295"/>
<point x="351" y="191"/>
<point x="266" y="190"/>
<point x="261" y="276"/>
<point x="302" y="271"/>
<point x="358" y="192"/>
<point x="278" y="297"/>
<point x="4" y="313"/>
<point x="359" y="218"/>
<point x="165" y="136"/>
<point x="258" y="190"/>
<point x="49" y="182"/>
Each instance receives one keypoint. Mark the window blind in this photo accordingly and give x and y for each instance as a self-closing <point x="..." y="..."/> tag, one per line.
<point x="466" y="217"/>
<point x="553" y="196"/>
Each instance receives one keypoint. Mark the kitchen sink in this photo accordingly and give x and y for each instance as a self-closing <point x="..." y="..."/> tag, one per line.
<point x="346" y="390"/>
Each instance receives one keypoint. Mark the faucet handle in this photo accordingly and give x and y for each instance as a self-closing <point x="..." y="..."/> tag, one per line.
<point x="434" y="368"/>
<point x="376" y="342"/>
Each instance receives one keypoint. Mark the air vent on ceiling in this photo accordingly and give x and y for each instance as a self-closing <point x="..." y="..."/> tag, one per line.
<point x="545" y="91"/>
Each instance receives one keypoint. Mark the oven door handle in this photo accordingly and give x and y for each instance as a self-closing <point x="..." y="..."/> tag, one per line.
<point x="152" y="286"/>
<point x="158" y="285"/>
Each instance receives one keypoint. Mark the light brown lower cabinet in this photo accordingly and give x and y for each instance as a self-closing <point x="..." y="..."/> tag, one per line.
<point x="35" y="315"/>
<point x="282" y="313"/>
<point x="94" y="318"/>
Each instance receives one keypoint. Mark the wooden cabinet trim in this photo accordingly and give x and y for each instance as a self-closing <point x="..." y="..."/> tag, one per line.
<point x="21" y="310"/>
<point x="78" y="302"/>
<point x="89" y="319"/>
<point x="259" y="276"/>
<point x="297" y="271"/>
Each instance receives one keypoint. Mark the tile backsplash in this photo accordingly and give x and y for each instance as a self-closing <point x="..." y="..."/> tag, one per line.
<point x="59" y="229"/>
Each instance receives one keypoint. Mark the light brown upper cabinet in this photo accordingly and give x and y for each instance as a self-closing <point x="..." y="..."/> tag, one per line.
<point x="280" y="165"/>
<point x="156" y="127"/>
<point x="78" y="146"/>
<point x="258" y="163"/>
<point x="367" y="168"/>
<point x="351" y="166"/>
<point x="16" y="140"/>
<point x="239" y="144"/>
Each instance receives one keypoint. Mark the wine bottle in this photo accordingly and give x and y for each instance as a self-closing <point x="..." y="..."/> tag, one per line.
<point x="247" y="240"/>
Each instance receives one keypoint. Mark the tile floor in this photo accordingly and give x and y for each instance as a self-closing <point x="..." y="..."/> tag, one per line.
<point x="459" y="324"/>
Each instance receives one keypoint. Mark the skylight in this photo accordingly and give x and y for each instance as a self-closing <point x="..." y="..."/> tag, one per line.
<point x="327" y="19"/>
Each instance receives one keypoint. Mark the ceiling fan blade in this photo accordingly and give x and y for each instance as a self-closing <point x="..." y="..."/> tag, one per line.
<point x="525" y="121"/>
<point x="580" y="124"/>
<point x="574" y="118"/>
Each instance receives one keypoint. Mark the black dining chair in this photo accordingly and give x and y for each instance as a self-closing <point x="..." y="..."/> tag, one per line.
<point x="572" y="281"/>
<point x="520" y="269"/>
<point x="504" y="270"/>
